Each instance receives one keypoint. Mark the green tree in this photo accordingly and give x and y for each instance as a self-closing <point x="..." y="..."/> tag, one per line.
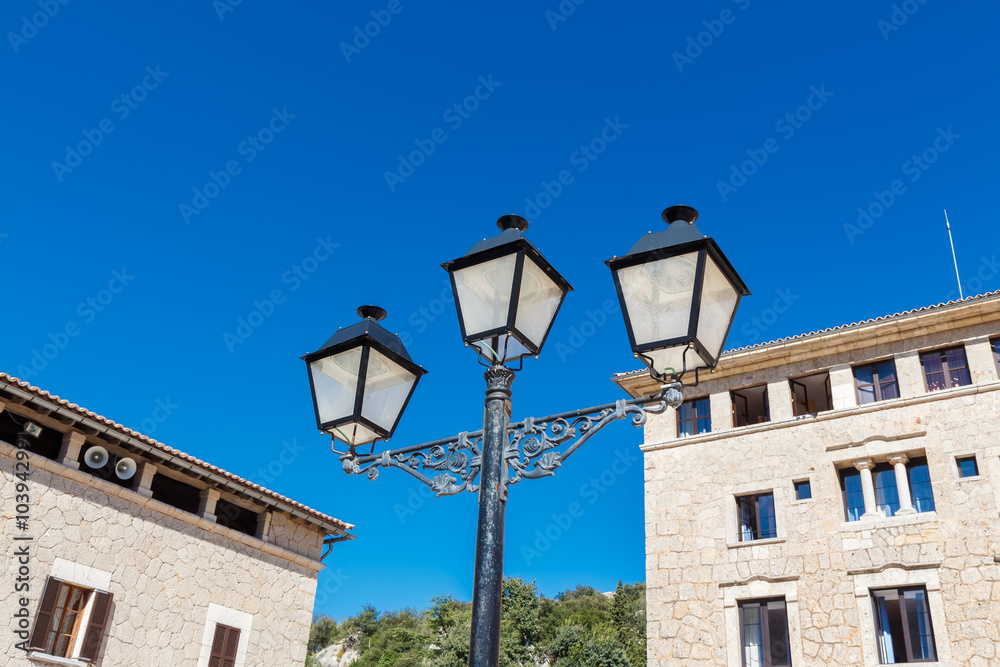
<point x="322" y="633"/>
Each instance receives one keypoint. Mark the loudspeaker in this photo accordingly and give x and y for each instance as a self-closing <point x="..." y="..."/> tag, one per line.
<point x="32" y="429"/>
<point x="125" y="468"/>
<point x="96" y="456"/>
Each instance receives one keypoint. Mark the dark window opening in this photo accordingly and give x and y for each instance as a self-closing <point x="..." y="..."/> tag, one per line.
<point x="231" y="515"/>
<point x="903" y="626"/>
<point x="944" y="369"/>
<point x="175" y="493"/>
<point x="995" y="344"/>
<point x="876" y="382"/>
<point x="750" y="406"/>
<point x="756" y="517"/>
<point x="694" y="417"/>
<point x="811" y="394"/>
<point x="46" y="445"/>
<point x="967" y="466"/>
<point x="106" y="471"/>
<point x="764" y="633"/>
<point x="803" y="491"/>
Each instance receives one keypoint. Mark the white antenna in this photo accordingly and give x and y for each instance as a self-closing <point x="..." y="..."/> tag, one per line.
<point x="954" y="259"/>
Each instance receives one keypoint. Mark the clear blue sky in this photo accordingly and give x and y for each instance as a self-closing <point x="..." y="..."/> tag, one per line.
<point x="913" y="103"/>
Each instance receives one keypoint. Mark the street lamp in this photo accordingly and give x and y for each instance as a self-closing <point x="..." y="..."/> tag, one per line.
<point x="679" y="295"/>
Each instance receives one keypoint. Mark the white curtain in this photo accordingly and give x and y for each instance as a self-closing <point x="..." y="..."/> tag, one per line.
<point x="885" y="636"/>
<point x="746" y="530"/>
<point x="752" y="646"/>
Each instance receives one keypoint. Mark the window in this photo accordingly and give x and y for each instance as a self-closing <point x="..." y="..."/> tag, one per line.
<point x="750" y="406"/>
<point x="887" y="501"/>
<point x="756" y="517"/>
<point x="944" y="369"/>
<point x="224" y="645"/>
<point x="694" y="417"/>
<point x="995" y="344"/>
<point x="238" y="518"/>
<point x="70" y="621"/>
<point x="811" y="394"/>
<point x="802" y="490"/>
<point x="175" y="493"/>
<point x="876" y="382"/>
<point x="764" y="633"/>
<point x="903" y="625"/>
<point x="967" y="466"/>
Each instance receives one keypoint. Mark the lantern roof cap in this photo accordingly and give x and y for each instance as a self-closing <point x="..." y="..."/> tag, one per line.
<point x="369" y="327"/>
<point x="512" y="228"/>
<point x="681" y="230"/>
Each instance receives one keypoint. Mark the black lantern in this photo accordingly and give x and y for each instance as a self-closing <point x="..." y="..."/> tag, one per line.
<point x="361" y="381"/>
<point x="679" y="295"/>
<point x="506" y="294"/>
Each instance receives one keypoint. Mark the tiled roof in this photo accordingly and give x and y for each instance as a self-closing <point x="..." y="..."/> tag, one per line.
<point x="335" y="525"/>
<point x="841" y="327"/>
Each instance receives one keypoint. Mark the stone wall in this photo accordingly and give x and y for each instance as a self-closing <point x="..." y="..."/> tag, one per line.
<point x="167" y="567"/>
<point x="823" y="565"/>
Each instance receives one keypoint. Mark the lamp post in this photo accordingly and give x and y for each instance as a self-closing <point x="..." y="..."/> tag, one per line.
<point x="678" y="294"/>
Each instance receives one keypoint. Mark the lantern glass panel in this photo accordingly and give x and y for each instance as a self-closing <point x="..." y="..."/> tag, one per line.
<point x="387" y="384"/>
<point x="658" y="296"/>
<point x="483" y="292"/>
<point x="718" y="303"/>
<point x="353" y="434"/>
<point x="537" y="302"/>
<point x="507" y="348"/>
<point x="670" y="361"/>
<point x="335" y="382"/>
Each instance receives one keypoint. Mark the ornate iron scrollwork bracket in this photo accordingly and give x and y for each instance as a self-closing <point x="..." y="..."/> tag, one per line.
<point x="536" y="449"/>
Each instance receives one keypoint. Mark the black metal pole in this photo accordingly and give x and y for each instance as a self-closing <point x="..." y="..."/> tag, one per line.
<point x="484" y="645"/>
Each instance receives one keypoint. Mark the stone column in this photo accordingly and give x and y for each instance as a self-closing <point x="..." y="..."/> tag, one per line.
<point x="206" y="504"/>
<point x="721" y="405"/>
<point x="909" y="374"/>
<point x="842" y="387"/>
<point x="263" y="526"/>
<point x="982" y="363"/>
<point x="69" y="452"/>
<point x="867" y="487"/>
<point x="902" y="484"/>
<point x="144" y="479"/>
<point x="780" y="399"/>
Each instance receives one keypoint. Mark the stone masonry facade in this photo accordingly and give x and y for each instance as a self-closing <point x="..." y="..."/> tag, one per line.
<point x="823" y="566"/>
<point x="174" y="574"/>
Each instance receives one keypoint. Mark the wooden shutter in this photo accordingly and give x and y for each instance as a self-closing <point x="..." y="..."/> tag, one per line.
<point x="98" y="623"/>
<point x="43" y="619"/>
<point x="224" y="646"/>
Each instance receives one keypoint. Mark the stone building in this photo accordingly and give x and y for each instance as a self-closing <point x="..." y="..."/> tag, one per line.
<point x="177" y="564"/>
<point x="832" y="498"/>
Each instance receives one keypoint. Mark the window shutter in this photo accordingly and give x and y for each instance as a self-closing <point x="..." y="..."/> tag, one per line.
<point x="45" y="609"/>
<point x="218" y="645"/>
<point x="232" y="643"/>
<point x="98" y="623"/>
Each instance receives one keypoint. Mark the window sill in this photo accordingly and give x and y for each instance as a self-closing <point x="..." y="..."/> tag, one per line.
<point x="756" y="543"/>
<point x="801" y="501"/>
<point x="35" y="656"/>
<point x="887" y="522"/>
<point x="971" y="478"/>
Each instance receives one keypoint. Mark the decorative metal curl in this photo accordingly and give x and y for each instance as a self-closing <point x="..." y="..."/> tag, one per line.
<point x="530" y="454"/>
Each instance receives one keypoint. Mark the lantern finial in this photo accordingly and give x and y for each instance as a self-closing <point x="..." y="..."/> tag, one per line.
<point x="674" y="214"/>
<point x="373" y="312"/>
<point x="505" y="222"/>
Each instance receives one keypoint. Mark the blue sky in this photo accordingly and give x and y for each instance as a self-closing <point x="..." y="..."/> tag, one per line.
<point x="213" y="155"/>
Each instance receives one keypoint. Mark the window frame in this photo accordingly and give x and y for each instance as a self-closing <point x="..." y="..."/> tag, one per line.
<point x="945" y="369"/>
<point x="765" y="631"/>
<point x="975" y="463"/>
<point x="843" y="474"/>
<point x="795" y="488"/>
<point x="89" y="627"/>
<point x="693" y="402"/>
<point x="900" y="590"/>
<point x="995" y="347"/>
<point x="757" y="516"/>
<point x="876" y="380"/>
